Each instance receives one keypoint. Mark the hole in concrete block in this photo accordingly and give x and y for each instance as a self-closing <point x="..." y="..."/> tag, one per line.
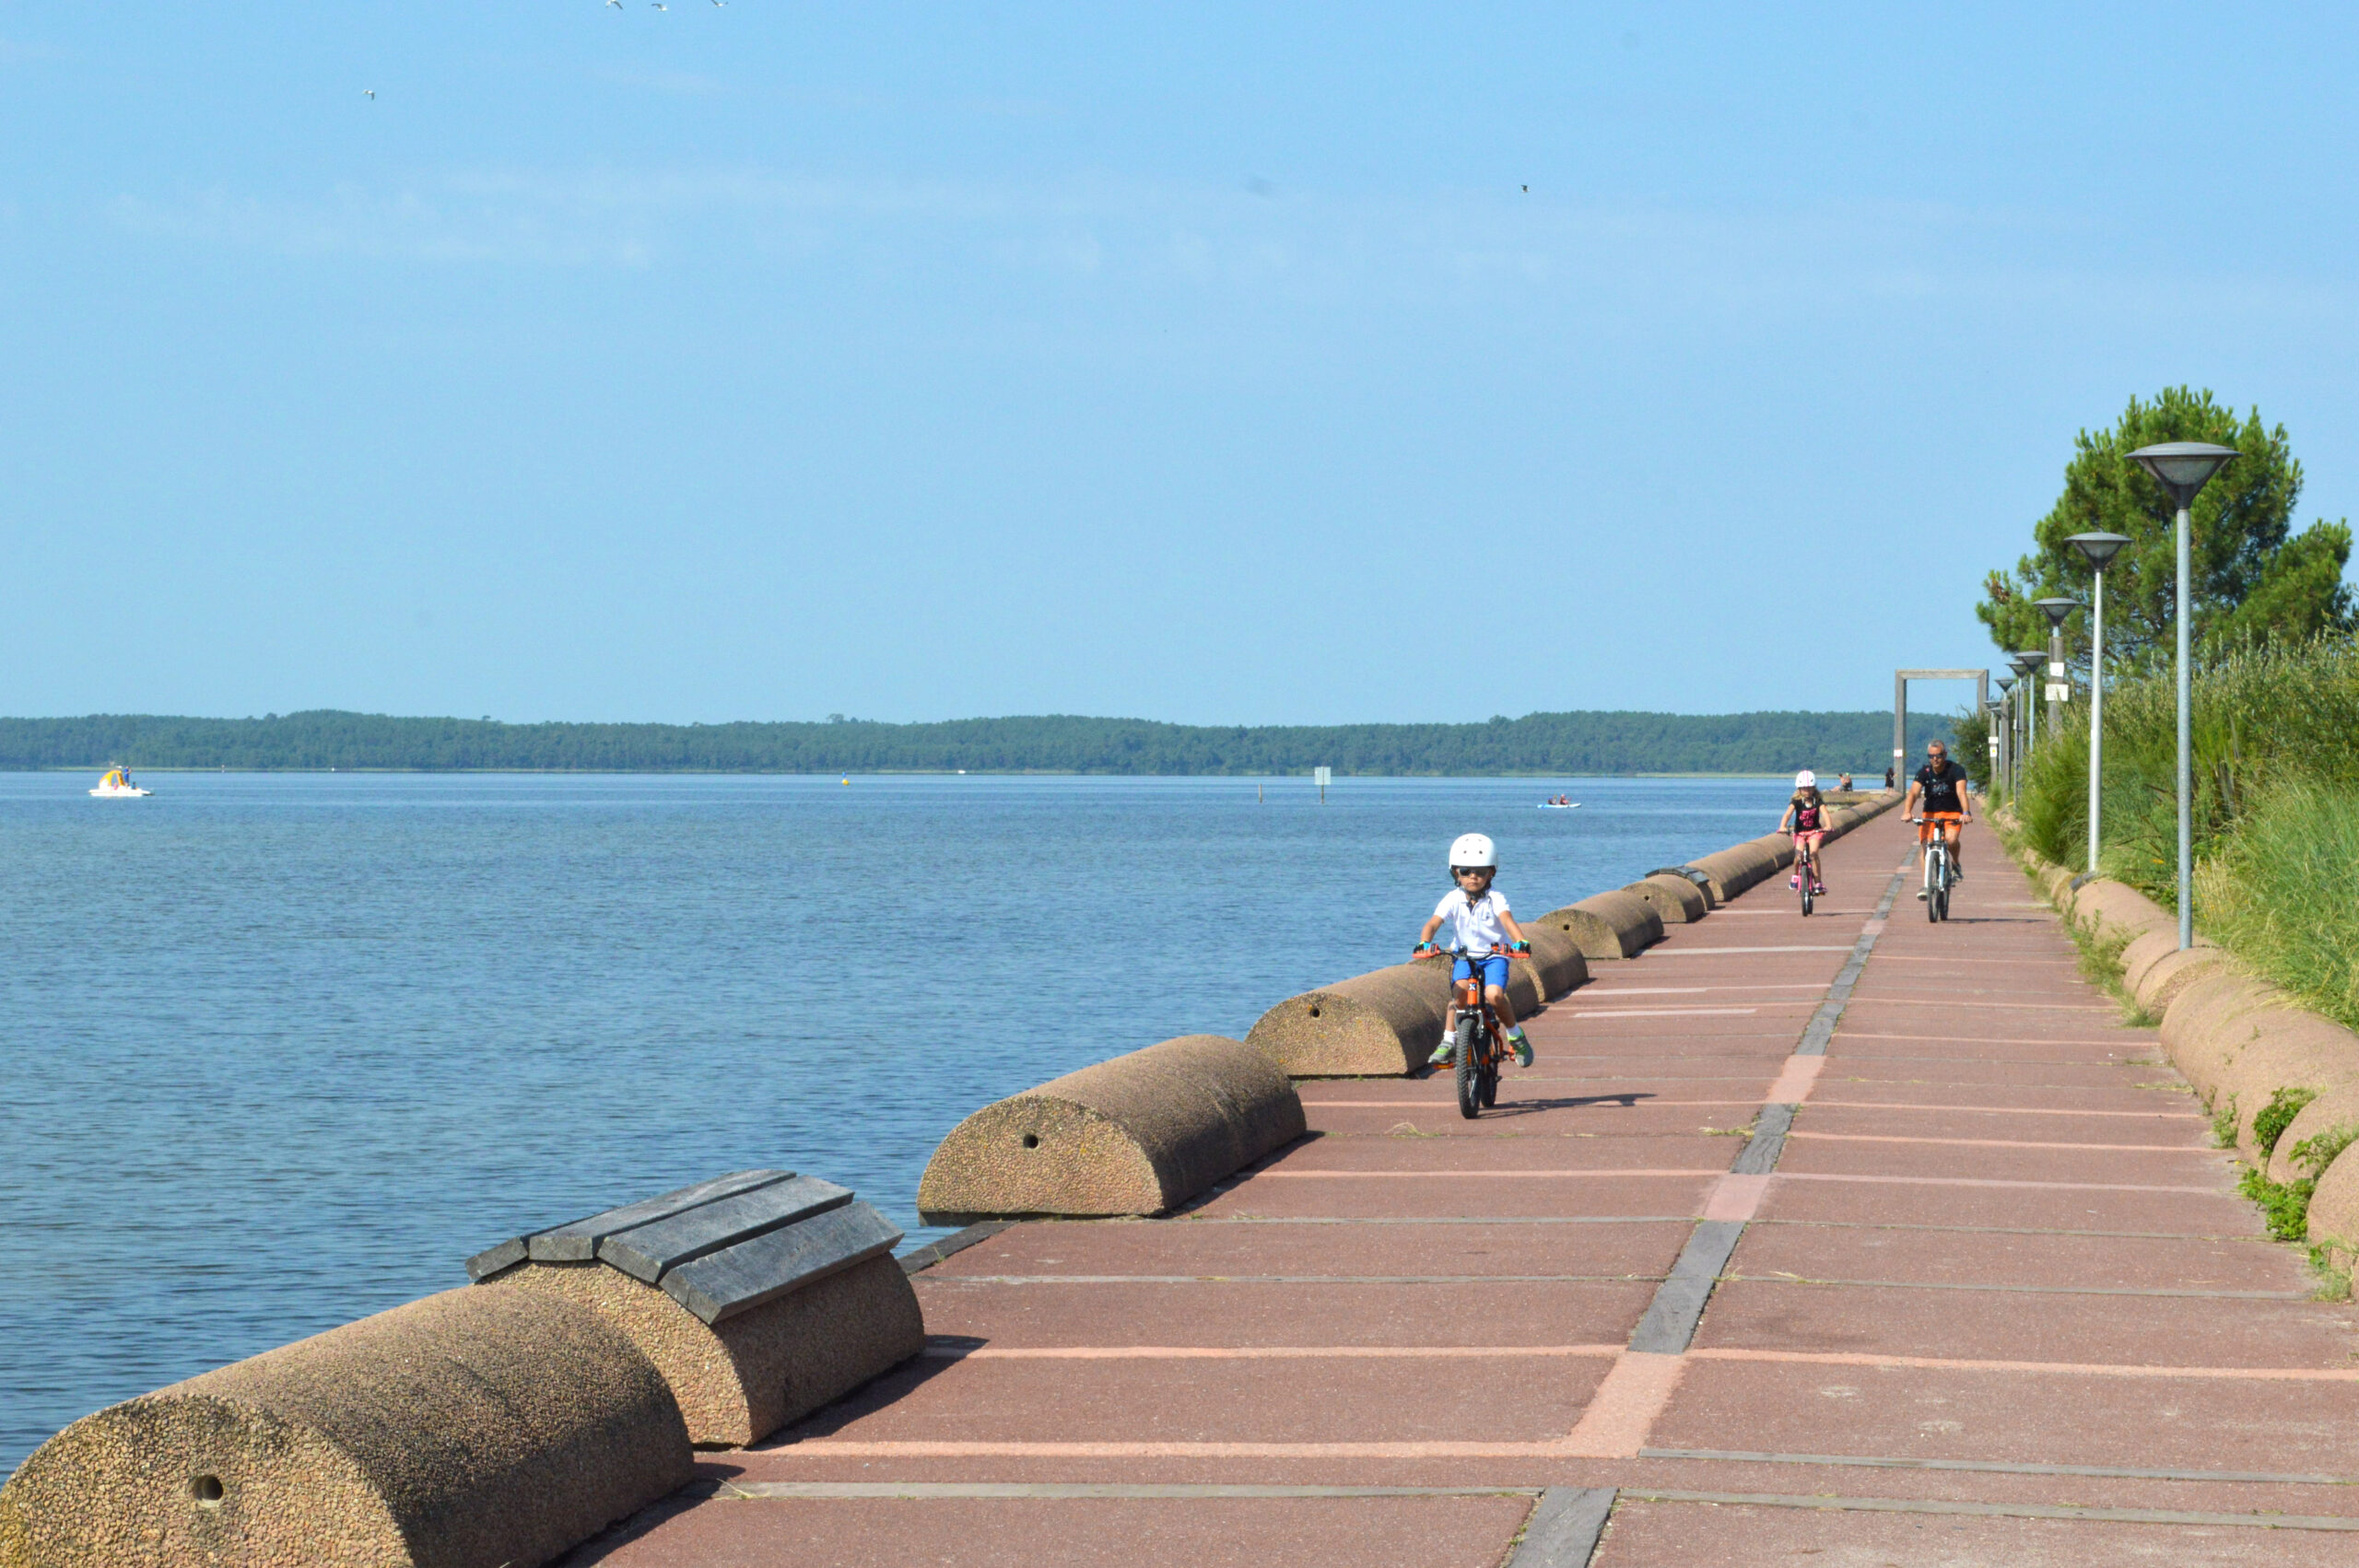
<point x="1031" y="1140"/>
<point x="206" y="1490"/>
<point x="1314" y="1013"/>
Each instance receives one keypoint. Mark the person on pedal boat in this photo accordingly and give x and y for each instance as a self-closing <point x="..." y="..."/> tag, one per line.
<point x="1480" y="924"/>
<point x="1938" y="794"/>
<point x="1805" y="818"/>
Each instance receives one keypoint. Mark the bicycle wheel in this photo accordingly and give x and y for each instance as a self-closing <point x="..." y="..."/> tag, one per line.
<point x="1806" y="900"/>
<point x="1934" y="892"/>
<point x="1488" y="1087"/>
<point x="1466" y="1043"/>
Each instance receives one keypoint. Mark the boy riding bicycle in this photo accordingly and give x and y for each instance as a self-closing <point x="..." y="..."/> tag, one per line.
<point x="1938" y="794"/>
<point x="1805" y="818"/>
<point x="1481" y="928"/>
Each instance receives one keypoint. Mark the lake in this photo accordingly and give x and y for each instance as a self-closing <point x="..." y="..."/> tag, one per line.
<point x="283" y="1050"/>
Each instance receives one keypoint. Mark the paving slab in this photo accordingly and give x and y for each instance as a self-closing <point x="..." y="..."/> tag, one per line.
<point x="1681" y="1535"/>
<point x="2079" y="1261"/>
<point x="1136" y="1247"/>
<point x="1363" y="1532"/>
<point x="1382" y="1309"/>
<point x="1531" y="1396"/>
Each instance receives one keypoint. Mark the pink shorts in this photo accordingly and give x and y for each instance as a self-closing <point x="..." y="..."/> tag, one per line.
<point x="1813" y="839"/>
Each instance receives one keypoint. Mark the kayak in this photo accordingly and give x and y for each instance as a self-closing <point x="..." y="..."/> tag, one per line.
<point x="1560" y="806"/>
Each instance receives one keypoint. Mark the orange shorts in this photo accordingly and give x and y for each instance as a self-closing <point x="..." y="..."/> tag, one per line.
<point x="1934" y="820"/>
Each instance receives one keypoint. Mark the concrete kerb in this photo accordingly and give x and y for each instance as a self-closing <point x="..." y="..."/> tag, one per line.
<point x="2334" y="1212"/>
<point x="471" y="1427"/>
<point x="1140" y="1134"/>
<point x="2332" y="1118"/>
<point x="1607" y="925"/>
<point x="1675" y="900"/>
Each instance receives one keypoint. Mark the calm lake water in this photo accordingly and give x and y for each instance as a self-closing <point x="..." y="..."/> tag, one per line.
<point x="282" y="1051"/>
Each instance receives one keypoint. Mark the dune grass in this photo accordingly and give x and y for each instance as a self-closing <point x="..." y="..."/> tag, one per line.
<point x="2275" y="811"/>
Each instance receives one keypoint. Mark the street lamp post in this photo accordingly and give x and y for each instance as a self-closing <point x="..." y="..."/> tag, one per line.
<point x="2183" y="468"/>
<point x="2025" y="660"/>
<point x="2099" y="550"/>
<point x="2058" y="683"/>
<point x="2004" y="724"/>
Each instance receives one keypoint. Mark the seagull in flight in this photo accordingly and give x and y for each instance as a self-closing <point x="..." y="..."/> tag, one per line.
<point x="371" y="93"/>
<point x="660" y="6"/>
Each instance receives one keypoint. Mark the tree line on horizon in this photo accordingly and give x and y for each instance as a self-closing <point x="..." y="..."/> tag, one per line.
<point x="1582" y="742"/>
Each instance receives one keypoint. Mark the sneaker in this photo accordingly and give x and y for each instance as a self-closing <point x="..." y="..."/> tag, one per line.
<point x="1920" y="896"/>
<point x="1957" y="874"/>
<point x="1794" y="881"/>
<point x="1443" y="1054"/>
<point x="1818" y="890"/>
<point x="1522" y="1048"/>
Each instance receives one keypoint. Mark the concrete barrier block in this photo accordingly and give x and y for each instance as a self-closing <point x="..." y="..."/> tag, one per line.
<point x="2115" y="911"/>
<point x="472" y="1428"/>
<point x="1607" y="925"/>
<point x="1729" y="873"/>
<point x="1694" y="878"/>
<point x="2334" y="1210"/>
<point x="1554" y="968"/>
<point x="2332" y="1118"/>
<point x="742" y="1377"/>
<point x="2290" y="1048"/>
<point x="1675" y="900"/>
<point x="2162" y="981"/>
<point x="1377" y="1025"/>
<point x="1140" y="1134"/>
<point x="1778" y="847"/>
<point x="2203" y="1031"/>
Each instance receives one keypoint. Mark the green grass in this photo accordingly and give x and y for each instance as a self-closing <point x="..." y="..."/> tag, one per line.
<point x="2285" y="1204"/>
<point x="2269" y="1123"/>
<point x="2278" y="893"/>
<point x="2275" y="807"/>
<point x="2223" y="1123"/>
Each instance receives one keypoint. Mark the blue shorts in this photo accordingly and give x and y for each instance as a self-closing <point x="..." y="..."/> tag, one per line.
<point x="1495" y="970"/>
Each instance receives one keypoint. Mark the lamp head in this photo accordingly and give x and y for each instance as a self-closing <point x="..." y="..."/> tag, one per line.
<point x="2056" y="610"/>
<point x="2024" y="662"/>
<point x="2097" y="549"/>
<point x="2182" y="467"/>
<point x="2006" y="683"/>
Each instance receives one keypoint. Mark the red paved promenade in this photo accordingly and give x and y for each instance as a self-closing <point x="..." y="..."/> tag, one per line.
<point x="1991" y="1298"/>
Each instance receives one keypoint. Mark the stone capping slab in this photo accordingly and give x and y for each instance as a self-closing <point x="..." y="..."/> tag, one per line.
<point x="650" y="1252"/>
<point x="577" y="1241"/>
<point x="736" y="1279"/>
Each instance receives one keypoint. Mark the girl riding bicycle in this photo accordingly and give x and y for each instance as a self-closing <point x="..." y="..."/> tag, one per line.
<point x="1484" y="931"/>
<point x="1805" y="818"/>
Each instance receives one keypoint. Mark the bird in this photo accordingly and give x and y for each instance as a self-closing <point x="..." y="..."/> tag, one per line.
<point x="370" y="92"/>
<point x="1527" y="189"/>
<point x="660" y="6"/>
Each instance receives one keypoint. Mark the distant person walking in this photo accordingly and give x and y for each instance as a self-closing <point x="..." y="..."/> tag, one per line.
<point x="1844" y="784"/>
<point x="1887" y="781"/>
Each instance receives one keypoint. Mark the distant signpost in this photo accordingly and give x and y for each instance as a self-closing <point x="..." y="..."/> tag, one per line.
<point x="1323" y="777"/>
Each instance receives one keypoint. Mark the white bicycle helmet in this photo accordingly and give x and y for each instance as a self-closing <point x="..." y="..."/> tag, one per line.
<point x="1472" y="849"/>
<point x="1806" y="779"/>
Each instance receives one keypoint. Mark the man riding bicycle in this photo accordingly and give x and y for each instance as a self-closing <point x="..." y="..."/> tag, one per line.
<point x="1938" y="794"/>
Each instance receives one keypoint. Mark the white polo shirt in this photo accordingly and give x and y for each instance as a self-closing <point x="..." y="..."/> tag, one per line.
<point x="1474" y="923"/>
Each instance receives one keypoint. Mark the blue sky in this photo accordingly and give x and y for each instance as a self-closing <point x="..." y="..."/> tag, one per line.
<point x="1206" y="363"/>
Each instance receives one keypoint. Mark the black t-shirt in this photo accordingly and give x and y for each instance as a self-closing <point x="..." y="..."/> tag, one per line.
<point x="1938" y="785"/>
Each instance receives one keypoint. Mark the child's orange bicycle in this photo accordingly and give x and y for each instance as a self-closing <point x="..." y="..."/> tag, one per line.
<point x="1477" y="1048"/>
